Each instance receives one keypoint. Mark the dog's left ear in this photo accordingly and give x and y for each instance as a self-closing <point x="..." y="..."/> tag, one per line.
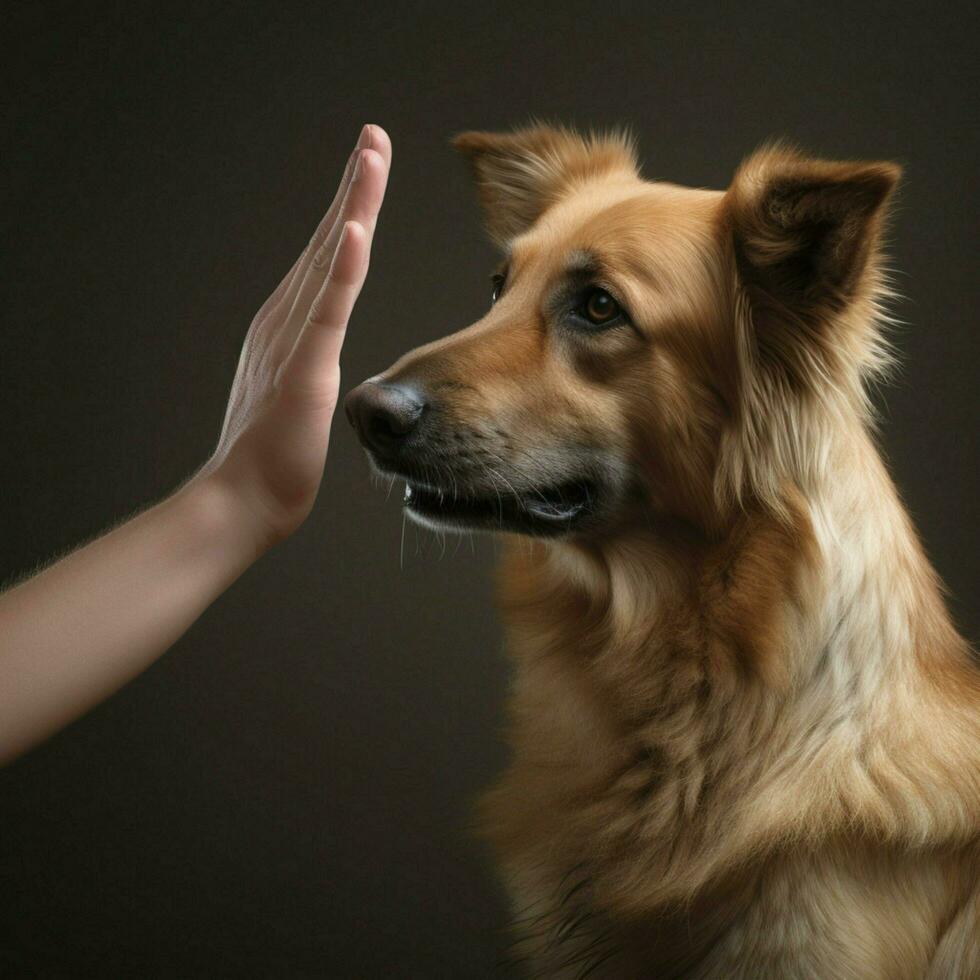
<point x="520" y="174"/>
<point x="803" y="229"/>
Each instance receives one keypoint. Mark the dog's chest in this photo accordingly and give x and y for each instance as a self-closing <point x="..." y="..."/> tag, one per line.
<point x="822" y="914"/>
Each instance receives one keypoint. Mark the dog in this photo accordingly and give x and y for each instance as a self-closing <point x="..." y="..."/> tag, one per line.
<point x="745" y="734"/>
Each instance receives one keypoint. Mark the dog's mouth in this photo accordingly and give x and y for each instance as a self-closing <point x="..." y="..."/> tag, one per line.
<point x="545" y="511"/>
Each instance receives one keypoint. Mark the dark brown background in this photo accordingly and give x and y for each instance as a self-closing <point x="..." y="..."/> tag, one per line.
<point x="286" y="794"/>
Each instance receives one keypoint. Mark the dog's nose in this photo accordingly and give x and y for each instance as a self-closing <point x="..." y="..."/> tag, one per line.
<point x="384" y="415"/>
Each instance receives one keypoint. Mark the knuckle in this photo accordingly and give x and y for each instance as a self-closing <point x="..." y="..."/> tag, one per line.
<point x="317" y="311"/>
<point x="315" y="241"/>
<point x="321" y="257"/>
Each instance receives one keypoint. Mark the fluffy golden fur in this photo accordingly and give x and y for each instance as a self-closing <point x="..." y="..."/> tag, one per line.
<point x="746" y="736"/>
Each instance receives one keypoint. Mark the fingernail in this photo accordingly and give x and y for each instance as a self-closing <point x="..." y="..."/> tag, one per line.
<point x="364" y="140"/>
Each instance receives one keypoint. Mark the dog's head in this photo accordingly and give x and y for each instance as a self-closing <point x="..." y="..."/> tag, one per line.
<point x="650" y="348"/>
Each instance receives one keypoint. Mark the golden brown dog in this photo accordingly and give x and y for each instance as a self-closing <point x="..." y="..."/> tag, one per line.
<point x="746" y="737"/>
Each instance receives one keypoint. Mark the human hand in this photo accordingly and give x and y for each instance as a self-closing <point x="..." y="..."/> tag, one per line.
<point x="87" y="624"/>
<point x="274" y="440"/>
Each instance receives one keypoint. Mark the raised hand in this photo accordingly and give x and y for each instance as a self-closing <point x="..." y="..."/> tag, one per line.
<point x="273" y="444"/>
<point x="77" y="631"/>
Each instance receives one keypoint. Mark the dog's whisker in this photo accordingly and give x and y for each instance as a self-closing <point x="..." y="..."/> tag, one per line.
<point x="401" y="548"/>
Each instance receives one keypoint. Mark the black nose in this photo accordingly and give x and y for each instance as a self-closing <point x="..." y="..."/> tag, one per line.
<point x="384" y="415"/>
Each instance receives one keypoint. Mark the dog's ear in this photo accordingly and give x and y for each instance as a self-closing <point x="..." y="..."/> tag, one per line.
<point x="804" y="230"/>
<point x="518" y="175"/>
<point x="804" y="237"/>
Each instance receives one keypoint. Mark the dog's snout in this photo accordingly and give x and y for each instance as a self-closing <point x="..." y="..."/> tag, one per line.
<point x="384" y="415"/>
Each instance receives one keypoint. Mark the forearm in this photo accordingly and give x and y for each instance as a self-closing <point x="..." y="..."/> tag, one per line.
<point x="78" y="631"/>
<point x="75" y="633"/>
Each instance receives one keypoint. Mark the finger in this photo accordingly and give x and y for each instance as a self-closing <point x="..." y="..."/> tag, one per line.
<point x="362" y="204"/>
<point x="279" y="297"/>
<point x="367" y="190"/>
<point x="311" y="368"/>
<point x="380" y="141"/>
<point x="329" y="221"/>
<point x="283" y="296"/>
<point x="372" y="137"/>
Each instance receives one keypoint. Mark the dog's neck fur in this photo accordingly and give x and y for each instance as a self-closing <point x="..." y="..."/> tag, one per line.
<point x="769" y="687"/>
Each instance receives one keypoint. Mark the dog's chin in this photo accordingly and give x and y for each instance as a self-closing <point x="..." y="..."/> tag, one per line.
<point x="564" y="507"/>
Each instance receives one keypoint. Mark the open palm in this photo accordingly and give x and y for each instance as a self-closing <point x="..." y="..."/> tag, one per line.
<point x="274" y="440"/>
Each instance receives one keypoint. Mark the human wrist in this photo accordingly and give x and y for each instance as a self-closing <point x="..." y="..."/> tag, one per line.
<point x="223" y="518"/>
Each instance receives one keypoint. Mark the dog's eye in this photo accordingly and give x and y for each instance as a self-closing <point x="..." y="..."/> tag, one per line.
<point x="600" y="308"/>
<point x="498" y="279"/>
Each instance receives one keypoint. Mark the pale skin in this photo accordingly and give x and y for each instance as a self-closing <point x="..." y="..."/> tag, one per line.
<point x="78" y="631"/>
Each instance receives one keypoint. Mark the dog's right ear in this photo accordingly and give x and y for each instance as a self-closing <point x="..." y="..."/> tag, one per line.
<point x="520" y="174"/>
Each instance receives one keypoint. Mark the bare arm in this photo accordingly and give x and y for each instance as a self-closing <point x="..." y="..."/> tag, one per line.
<point x="75" y="633"/>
